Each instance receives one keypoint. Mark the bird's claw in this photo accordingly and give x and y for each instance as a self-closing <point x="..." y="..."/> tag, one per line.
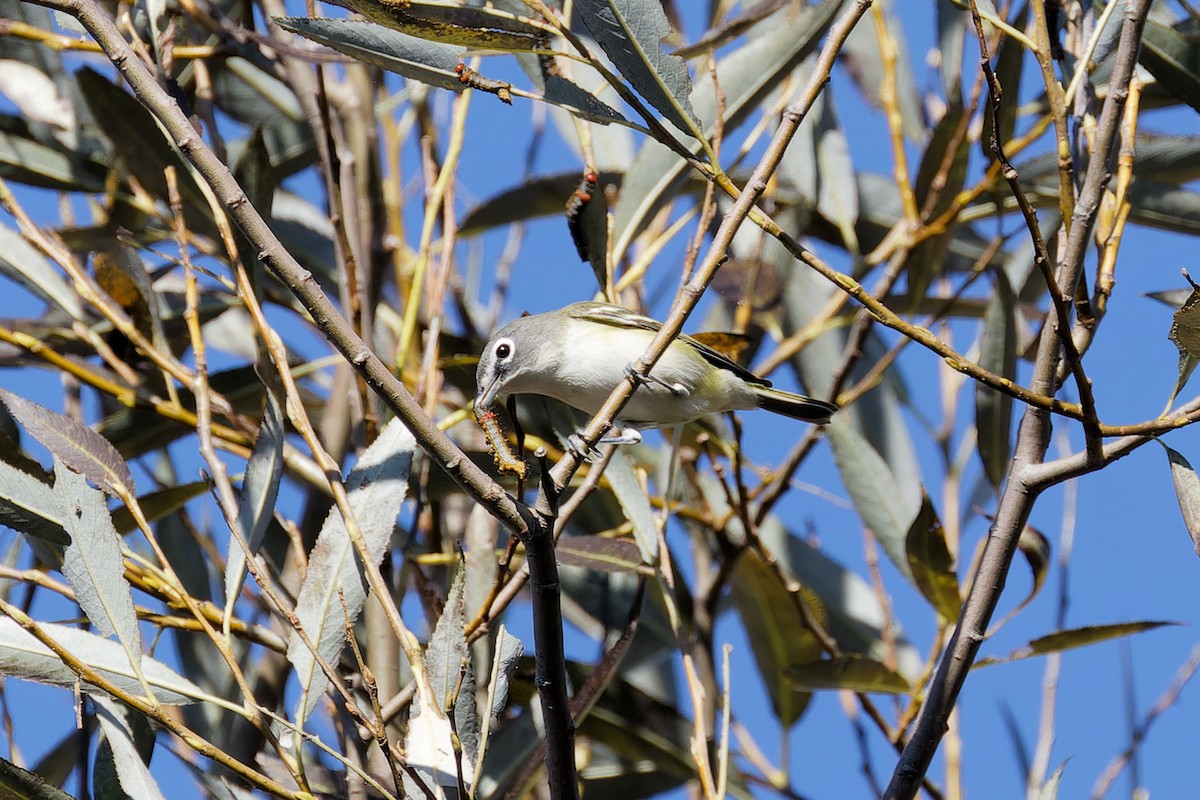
<point x="637" y="378"/>
<point x="578" y="446"/>
<point x="623" y="436"/>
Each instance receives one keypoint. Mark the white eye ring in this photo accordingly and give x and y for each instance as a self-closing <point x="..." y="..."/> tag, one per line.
<point x="504" y="349"/>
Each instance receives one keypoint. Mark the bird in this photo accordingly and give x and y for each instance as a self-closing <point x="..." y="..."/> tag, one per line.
<point x="578" y="354"/>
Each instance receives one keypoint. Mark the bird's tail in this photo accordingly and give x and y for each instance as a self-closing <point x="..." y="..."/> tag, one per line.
<point x="796" y="406"/>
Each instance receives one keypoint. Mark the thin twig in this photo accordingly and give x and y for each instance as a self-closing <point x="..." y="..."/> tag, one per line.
<point x="1022" y="488"/>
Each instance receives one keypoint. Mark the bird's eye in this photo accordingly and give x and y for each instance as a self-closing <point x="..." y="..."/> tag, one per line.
<point x="503" y="350"/>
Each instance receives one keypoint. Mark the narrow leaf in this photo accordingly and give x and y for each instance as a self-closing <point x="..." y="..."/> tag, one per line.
<point x="48" y="165"/>
<point x="851" y="672"/>
<point x="1035" y="547"/>
<point x="22" y="262"/>
<point x="857" y="619"/>
<point x="538" y="197"/>
<point x="1187" y="493"/>
<point x="1088" y="635"/>
<point x="93" y="563"/>
<point x="600" y="553"/>
<point x="21" y="784"/>
<point x="79" y="447"/>
<point x="23" y="656"/>
<point x="1073" y="638"/>
<point x="997" y="354"/>
<point x="931" y="564"/>
<point x="1174" y="60"/>
<point x="30" y="507"/>
<point x="777" y="633"/>
<point x="377" y="487"/>
<point x="159" y="504"/>
<point x="878" y="497"/>
<point x="452" y="681"/>
<point x="635" y="503"/>
<point x="583" y="104"/>
<point x="134" y="775"/>
<point x="744" y="76"/>
<point x="260" y="487"/>
<point x="466" y="26"/>
<point x="508" y="652"/>
<point x="631" y="33"/>
<point x="420" y="59"/>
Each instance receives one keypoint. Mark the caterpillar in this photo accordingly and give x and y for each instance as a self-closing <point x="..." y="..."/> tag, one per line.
<point x="476" y="81"/>
<point x="577" y="203"/>
<point x="493" y="431"/>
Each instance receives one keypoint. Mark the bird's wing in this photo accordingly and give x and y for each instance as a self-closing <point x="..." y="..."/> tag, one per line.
<point x="608" y="314"/>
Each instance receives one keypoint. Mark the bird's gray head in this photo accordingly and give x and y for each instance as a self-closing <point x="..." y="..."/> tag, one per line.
<point x="509" y="355"/>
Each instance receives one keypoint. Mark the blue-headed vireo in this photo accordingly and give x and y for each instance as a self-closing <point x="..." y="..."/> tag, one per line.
<point x="580" y="353"/>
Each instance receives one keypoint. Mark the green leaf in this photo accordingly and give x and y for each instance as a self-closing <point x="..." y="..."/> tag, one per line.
<point x="29" y="506"/>
<point x="1187" y="493"/>
<point x="885" y="507"/>
<point x="631" y="33"/>
<point x="952" y="22"/>
<point x="539" y="197"/>
<point x="635" y="503"/>
<point x="853" y="673"/>
<point x="251" y="94"/>
<point x="22" y="262"/>
<point x="49" y="165"/>
<point x="21" y="784"/>
<point x="483" y="28"/>
<point x="937" y="156"/>
<point x="856" y="618"/>
<point x="1075" y="637"/>
<point x="1165" y="206"/>
<point x="159" y="504"/>
<point x="126" y="748"/>
<point x="1173" y="60"/>
<point x="334" y="585"/>
<point x="413" y="57"/>
<point x="583" y="104"/>
<point x="142" y="149"/>
<point x="997" y="354"/>
<point x="260" y="488"/>
<point x="745" y="76"/>
<point x="1035" y="547"/>
<point x="941" y="175"/>
<point x="23" y="656"/>
<point x="1088" y="635"/>
<point x="445" y="659"/>
<point x="93" y="563"/>
<point x="79" y="447"/>
<point x="600" y="553"/>
<point x="777" y="633"/>
<point x="930" y="562"/>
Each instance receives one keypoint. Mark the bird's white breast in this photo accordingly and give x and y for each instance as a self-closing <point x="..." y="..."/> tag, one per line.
<point x="591" y="359"/>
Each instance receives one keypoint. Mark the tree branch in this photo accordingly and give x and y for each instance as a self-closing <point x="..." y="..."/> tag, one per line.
<point x="1033" y="437"/>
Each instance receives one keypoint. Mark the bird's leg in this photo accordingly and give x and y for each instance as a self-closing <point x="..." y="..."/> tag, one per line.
<point x="621" y="436"/>
<point x="677" y="389"/>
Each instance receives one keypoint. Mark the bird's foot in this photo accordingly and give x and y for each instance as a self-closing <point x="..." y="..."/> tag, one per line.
<point x="677" y="389"/>
<point x="622" y="436"/>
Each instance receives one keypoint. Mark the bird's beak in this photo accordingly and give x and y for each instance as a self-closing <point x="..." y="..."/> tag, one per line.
<point x="487" y="394"/>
